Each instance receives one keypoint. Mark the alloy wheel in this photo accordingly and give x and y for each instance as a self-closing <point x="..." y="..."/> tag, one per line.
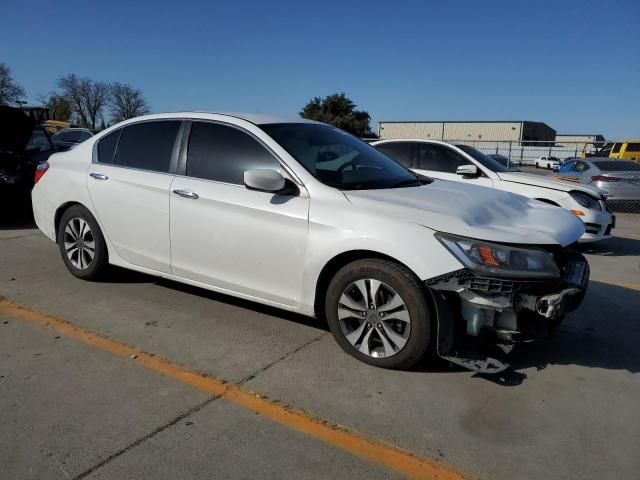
<point x="79" y="243"/>
<point x="374" y="318"/>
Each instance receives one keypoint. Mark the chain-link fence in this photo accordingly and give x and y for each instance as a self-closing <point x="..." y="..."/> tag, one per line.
<point x="577" y="162"/>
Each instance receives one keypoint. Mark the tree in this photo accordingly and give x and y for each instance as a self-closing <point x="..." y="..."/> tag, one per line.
<point x="126" y="102"/>
<point x="340" y="111"/>
<point x="87" y="98"/>
<point x="10" y="91"/>
<point x="58" y="106"/>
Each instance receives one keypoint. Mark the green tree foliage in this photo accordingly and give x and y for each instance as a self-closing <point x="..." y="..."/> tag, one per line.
<point x="10" y="91"/>
<point x="340" y="111"/>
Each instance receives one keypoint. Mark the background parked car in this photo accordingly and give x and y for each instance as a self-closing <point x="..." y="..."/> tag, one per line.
<point x="548" y="162"/>
<point x="23" y="146"/>
<point x="629" y="150"/>
<point x="462" y="163"/>
<point x="70" y="137"/>
<point x="620" y="179"/>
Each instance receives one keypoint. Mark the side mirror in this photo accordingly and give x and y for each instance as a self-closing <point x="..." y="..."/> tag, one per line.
<point x="467" y="170"/>
<point x="264" y="180"/>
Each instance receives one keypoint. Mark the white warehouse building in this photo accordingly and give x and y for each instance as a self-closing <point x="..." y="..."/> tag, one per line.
<point x="583" y="138"/>
<point x="520" y="131"/>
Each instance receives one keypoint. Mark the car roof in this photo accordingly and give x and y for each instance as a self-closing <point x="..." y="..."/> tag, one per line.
<point x="255" y="118"/>
<point x="416" y="140"/>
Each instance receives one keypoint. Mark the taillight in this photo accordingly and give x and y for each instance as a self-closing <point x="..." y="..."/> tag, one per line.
<point x="41" y="169"/>
<point x="602" y="178"/>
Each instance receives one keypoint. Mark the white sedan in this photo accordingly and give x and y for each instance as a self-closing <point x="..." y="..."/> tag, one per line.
<point x="465" y="164"/>
<point x="548" y="162"/>
<point x="305" y="217"/>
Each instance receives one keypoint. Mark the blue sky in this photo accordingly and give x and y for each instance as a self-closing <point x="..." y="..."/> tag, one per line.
<point x="572" y="64"/>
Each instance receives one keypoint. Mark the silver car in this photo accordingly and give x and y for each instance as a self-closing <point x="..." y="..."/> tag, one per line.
<point x="620" y="179"/>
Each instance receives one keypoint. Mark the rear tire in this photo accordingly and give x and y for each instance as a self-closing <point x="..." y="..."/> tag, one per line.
<point x="82" y="244"/>
<point x="391" y="326"/>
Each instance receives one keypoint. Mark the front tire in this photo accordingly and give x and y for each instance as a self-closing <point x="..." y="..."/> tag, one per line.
<point x="81" y="243"/>
<point x="378" y="313"/>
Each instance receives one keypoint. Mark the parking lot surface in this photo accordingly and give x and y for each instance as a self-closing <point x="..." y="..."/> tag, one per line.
<point x="74" y="406"/>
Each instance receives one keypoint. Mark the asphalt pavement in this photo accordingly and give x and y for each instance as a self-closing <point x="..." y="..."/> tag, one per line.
<point x="75" y="404"/>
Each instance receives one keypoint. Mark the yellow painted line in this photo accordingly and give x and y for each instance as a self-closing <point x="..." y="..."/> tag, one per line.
<point x="371" y="449"/>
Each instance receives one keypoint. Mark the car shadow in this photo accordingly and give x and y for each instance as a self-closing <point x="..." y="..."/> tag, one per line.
<point x="603" y="333"/>
<point x="613" y="247"/>
<point x="245" y="304"/>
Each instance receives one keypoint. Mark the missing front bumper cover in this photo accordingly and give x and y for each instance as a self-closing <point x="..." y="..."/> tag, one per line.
<point x="480" y="319"/>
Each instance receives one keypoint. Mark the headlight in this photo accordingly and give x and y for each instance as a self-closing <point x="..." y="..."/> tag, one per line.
<point x="587" y="201"/>
<point x="500" y="260"/>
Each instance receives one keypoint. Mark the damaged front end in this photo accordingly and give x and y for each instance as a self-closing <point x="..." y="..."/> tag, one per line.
<point x="483" y="310"/>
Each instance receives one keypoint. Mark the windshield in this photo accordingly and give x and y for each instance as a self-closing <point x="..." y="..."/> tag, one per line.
<point x="338" y="159"/>
<point x="485" y="160"/>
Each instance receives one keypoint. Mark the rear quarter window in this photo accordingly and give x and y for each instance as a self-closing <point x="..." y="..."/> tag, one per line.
<point x="107" y="147"/>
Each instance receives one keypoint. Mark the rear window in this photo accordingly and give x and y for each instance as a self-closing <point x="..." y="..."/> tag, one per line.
<point x="147" y="145"/>
<point x="633" y="147"/>
<point x="617" y="166"/>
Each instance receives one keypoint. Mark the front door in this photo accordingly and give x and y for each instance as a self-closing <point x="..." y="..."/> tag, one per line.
<point x="224" y="235"/>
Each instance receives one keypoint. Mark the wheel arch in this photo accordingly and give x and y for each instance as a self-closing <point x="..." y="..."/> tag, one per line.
<point x="60" y="211"/>
<point x="66" y="206"/>
<point x="339" y="261"/>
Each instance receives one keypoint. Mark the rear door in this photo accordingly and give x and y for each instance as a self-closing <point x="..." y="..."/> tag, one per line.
<point x="129" y="187"/>
<point x="227" y="236"/>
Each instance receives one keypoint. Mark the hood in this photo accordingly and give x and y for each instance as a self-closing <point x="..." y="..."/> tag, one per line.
<point x="476" y="212"/>
<point x="547" y="182"/>
<point x="16" y="128"/>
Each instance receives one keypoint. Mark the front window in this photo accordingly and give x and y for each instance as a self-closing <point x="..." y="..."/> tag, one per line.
<point x="485" y="160"/>
<point x="338" y="159"/>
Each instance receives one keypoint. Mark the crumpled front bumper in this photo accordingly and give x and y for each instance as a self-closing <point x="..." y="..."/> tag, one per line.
<point x="481" y="318"/>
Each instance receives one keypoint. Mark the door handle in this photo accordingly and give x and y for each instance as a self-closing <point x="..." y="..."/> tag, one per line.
<point x="98" y="176"/>
<point x="187" y="194"/>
